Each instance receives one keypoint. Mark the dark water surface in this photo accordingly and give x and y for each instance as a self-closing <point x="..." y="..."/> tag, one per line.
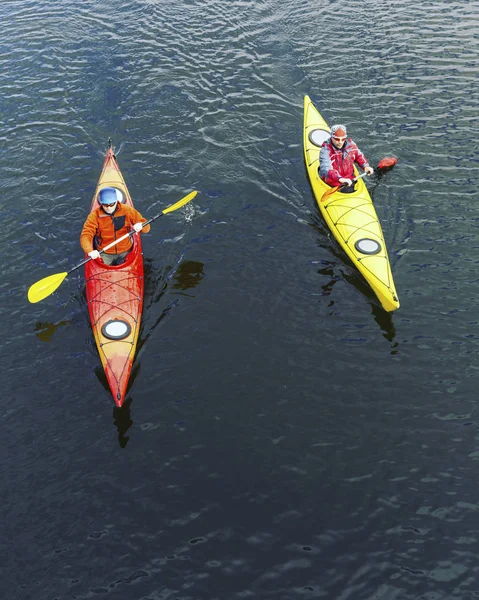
<point x="283" y="438"/>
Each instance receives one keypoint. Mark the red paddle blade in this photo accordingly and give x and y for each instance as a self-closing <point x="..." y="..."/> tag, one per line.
<point x="328" y="193"/>
<point x="387" y="163"/>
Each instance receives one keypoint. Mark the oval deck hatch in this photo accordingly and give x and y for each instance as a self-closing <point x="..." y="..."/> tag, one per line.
<point x="368" y="246"/>
<point x="116" y="329"/>
<point x="318" y="137"/>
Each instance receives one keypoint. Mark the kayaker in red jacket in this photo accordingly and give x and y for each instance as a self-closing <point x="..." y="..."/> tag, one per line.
<point x="107" y="223"/>
<point x="337" y="158"/>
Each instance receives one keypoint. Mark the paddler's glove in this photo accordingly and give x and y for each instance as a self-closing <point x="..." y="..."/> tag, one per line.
<point x="138" y="227"/>
<point x="94" y="254"/>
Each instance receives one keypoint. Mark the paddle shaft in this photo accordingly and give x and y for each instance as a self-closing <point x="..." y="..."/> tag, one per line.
<point x="120" y="239"/>
<point x="353" y="180"/>
<point x="340" y="187"/>
<point x="46" y="286"/>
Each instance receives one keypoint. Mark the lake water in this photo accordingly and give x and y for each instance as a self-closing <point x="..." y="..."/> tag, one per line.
<point x="283" y="438"/>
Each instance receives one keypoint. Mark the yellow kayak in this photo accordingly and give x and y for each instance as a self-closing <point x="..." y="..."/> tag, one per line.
<point x="351" y="218"/>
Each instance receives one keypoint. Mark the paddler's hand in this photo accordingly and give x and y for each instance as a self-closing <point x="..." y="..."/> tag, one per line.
<point x="368" y="170"/>
<point x="94" y="254"/>
<point x="138" y="227"/>
<point x="345" y="180"/>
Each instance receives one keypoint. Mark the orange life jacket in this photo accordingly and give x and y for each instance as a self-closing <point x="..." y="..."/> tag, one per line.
<point x="100" y="229"/>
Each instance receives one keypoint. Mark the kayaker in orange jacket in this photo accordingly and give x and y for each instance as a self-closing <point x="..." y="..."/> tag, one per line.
<point x="107" y="223"/>
<point x="337" y="158"/>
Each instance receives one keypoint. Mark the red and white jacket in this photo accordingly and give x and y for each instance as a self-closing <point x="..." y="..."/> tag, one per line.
<point x="335" y="163"/>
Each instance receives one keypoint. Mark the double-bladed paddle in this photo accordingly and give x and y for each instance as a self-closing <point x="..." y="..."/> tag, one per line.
<point x="383" y="165"/>
<point x="43" y="288"/>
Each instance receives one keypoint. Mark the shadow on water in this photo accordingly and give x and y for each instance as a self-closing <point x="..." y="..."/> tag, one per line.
<point x="152" y="278"/>
<point x="385" y="322"/>
<point x="188" y="275"/>
<point x="383" y="318"/>
<point x="344" y="269"/>
<point x="123" y="421"/>
<point x="121" y="415"/>
<point x="45" y="331"/>
<point x="328" y="271"/>
<point x="156" y="285"/>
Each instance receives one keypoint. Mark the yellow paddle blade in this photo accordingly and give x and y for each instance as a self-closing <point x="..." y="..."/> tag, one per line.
<point x="180" y="203"/>
<point x="43" y="288"/>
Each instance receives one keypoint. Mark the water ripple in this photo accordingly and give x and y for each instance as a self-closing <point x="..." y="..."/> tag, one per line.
<point x="284" y="437"/>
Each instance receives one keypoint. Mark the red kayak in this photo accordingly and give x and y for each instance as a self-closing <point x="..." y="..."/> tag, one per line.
<point x="115" y="295"/>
